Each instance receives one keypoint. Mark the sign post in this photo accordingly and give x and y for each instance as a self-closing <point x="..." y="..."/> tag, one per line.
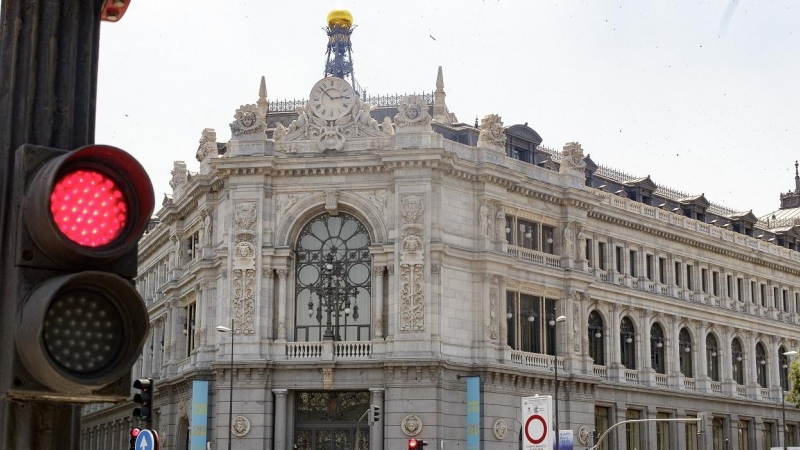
<point x="537" y="423"/>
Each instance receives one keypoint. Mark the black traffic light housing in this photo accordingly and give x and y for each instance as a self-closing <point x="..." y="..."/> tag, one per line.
<point x="376" y="413"/>
<point x="416" y="444"/>
<point x="144" y="398"/>
<point x="78" y="323"/>
<point x="134" y="435"/>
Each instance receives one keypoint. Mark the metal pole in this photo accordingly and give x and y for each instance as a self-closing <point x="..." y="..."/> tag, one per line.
<point x="783" y="413"/>
<point x="230" y="402"/>
<point x="555" y="368"/>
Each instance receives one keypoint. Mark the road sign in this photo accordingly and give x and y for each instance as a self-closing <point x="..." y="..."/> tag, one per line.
<point x="536" y="420"/>
<point x="147" y="440"/>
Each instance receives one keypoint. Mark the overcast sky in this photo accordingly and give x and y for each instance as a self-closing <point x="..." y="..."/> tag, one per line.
<point x="702" y="96"/>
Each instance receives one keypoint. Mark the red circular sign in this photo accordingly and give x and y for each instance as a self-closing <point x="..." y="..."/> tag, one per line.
<point x="540" y="439"/>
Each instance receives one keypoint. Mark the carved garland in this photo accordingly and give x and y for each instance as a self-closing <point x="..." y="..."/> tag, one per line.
<point x="244" y="269"/>
<point x="412" y="268"/>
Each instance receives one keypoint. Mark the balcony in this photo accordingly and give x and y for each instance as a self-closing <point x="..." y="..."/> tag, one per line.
<point x="535" y="360"/>
<point x="533" y="256"/>
<point x="601" y="372"/>
<point x="328" y="350"/>
<point x="631" y="376"/>
<point x="661" y="380"/>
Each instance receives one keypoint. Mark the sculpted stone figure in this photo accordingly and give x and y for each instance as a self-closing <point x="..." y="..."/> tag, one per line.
<point x="567" y="241"/>
<point x="484" y="220"/>
<point x="581" y="243"/>
<point x="500" y="222"/>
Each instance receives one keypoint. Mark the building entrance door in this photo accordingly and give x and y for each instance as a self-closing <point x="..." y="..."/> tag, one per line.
<point x="327" y="420"/>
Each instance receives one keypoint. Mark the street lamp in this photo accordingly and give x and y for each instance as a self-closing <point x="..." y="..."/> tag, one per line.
<point x="223" y="329"/>
<point x="788" y="355"/>
<point x="552" y="322"/>
<point x="334" y="292"/>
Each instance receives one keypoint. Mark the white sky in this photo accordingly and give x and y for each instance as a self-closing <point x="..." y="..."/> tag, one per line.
<point x="702" y="96"/>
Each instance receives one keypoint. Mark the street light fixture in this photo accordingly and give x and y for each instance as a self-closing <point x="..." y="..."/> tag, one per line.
<point x="552" y="322"/>
<point x="788" y="356"/>
<point x="223" y="329"/>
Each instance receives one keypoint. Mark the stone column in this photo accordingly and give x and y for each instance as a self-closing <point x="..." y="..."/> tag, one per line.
<point x="758" y="429"/>
<point x="619" y="432"/>
<point x="377" y="315"/>
<point x="647" y="372"/>
<point x="703" y="383"/>
<point x="279" y="432"/>
<point x="651" y="427"/>
<point x="751" y="360"/>
<point x="614" y="341"/>
<point x="268" y="305"/>
<point x="282" y="280"/>
<point x="376" y="431"/>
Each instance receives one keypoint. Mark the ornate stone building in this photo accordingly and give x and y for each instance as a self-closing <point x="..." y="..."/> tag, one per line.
<point x="376" y="251"/>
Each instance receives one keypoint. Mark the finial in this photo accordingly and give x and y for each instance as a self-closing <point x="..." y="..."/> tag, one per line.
<point x="262" y="95"/>
<point x="795" y="169"/>
<point x="796" y="178"/>
<point x="439" y="80"/>
<point x="476" y="121"/>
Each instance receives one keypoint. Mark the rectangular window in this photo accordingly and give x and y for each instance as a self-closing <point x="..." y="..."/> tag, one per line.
<point x="526" y="319"/>
<point x="785" y="301"/>
<point x="662" y="432"/>
<point x="677" y="273"/>
<point x="790" y="436"/>
<point x="689" y="277"/>
<point x="510" y="230"/>
<point x="589" y="252"/>
<point x="740" y="289"/>
<point x="189" y="327"/>
<point x="662" y="270"/>
<point x="715" y="283"/>
<point x="704" y="280"/>
<point x="601" y="424"/>
<point x="691" y="435"/>
<point x="716" y="433"/>
<point x="601" y="255"/>
<point x="649" y="263"/>
<point x="619" y="260"/>
<point x="632" y="263"/>
<point x="766" y="436"/>
<point x="527" y="234"/>
<point x="730" y="286"/>
<point x="763" y="293"/>
<point x="775" y="297"/>
<point x="547" y="239"/>
<point x="632" y="430"/>
<point x="744" y="435"/>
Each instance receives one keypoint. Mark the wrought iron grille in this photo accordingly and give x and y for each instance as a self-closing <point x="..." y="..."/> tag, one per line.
<point x="343" y="241"/>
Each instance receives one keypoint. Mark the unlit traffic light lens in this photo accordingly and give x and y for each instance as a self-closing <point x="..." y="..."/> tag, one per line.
<point x="88" y="207"/>
<point x="83" y="331"/>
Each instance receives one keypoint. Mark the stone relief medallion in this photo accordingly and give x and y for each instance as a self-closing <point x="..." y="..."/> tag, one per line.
<point x="241" y="426"/>
<point x="500" y="429"/>
<point x="411" y="425"/>
<point x="583" y="435"/>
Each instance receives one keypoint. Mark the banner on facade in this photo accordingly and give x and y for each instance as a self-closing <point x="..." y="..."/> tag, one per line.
<point x="565" y="439"/>
<point x="198" y="431"/>
<point x="536" y="423"/>
<point x="473" y="413"/>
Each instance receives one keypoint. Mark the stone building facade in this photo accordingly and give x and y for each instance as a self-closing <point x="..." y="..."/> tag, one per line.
<point x="456" y="245"/>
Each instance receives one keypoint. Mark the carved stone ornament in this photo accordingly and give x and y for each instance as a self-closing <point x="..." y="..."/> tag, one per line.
<point x="583" y="435"/>
<point x="208" y="145"/>
<point x="412" y="208"/>
<point x="411" y="425"/>
<point x="244" y="269"/>
<point x="500" y="429"/>
<point x="248" y="121"/>
<point x="182" y="409"/>
<point x="576" y="332"/>
<point x="240" y="426"/>
<point x="492" y="131"/>
<point x="327" y="378"/>
<point x="500" y="223"/>
<point x="572" y="159"/>
<point x="493" y="295"/>
<point x="485" y="219"/>
<point x="180" y="175"/>
<point x="413" y="111"/>
<point x="412" y="297"/>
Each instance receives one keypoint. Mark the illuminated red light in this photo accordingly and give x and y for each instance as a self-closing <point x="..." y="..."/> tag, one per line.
<point x="88" y="207"/>
<point x="412" y="443"/>
<point x="134" y="432"/>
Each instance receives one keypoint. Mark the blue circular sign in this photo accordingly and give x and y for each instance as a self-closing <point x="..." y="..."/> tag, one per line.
<point x="145" y="441"/>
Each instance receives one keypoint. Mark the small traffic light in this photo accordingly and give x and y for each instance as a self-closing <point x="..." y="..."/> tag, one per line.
<point x="416" y="444"/>
<point x="134" y="435"/>
<point x="144" y="398"/>
<point x="374" y="414"/>
<point x="79" y="324"/>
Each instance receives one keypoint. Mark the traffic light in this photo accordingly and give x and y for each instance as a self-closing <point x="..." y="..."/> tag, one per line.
<point x="144" y="398"/>
<point x="79" y="324"/>
<point x="416" y="444"/>
<point x="134" y="435"/>
<point x="376" y="413"/>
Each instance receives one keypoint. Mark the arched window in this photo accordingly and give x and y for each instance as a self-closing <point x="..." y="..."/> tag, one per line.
<point x="761" y="365"/>
<point x="736" y="361"/>
<point x="712" y="357"/>
<point x="627" y="343"/>
<point x="332" y="280"/>
<point x="596" y="347"/>
<point x="657" y="348"/>
<point x="685" y="343"/>
<point x="784" y="368"/>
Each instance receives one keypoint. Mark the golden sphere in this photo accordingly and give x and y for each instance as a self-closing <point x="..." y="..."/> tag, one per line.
<point x="340" y="18"/>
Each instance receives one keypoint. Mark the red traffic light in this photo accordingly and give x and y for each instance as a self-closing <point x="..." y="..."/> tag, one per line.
<point x="412" y="443"/>
<point x="90" y="204"/>
<point x="88" y="207"/>
<point x="134" y="432"/>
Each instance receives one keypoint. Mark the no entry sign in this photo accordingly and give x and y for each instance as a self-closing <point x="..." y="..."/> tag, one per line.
<point x="536" y="417"/>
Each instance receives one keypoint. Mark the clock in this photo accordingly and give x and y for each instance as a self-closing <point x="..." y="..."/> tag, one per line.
<point x="332" y="98"/>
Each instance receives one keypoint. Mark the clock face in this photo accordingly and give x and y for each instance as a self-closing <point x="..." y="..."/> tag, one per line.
<point x="332" y="98"/>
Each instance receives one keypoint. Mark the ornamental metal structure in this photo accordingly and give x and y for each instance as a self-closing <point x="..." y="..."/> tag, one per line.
<point x="333" y="294"/>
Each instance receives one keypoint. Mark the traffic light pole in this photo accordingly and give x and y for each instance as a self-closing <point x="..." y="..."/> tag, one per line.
<point x="48" y="90"/>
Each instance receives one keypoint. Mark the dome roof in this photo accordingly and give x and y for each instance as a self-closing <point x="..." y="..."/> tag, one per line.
<point x="340" y="18"/>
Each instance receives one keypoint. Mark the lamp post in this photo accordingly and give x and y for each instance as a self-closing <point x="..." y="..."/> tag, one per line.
<point x="223" y="329"/>
<point x="552" y="322"/>
<point x="333" y="291"/>
<point x="788" y="355"/>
